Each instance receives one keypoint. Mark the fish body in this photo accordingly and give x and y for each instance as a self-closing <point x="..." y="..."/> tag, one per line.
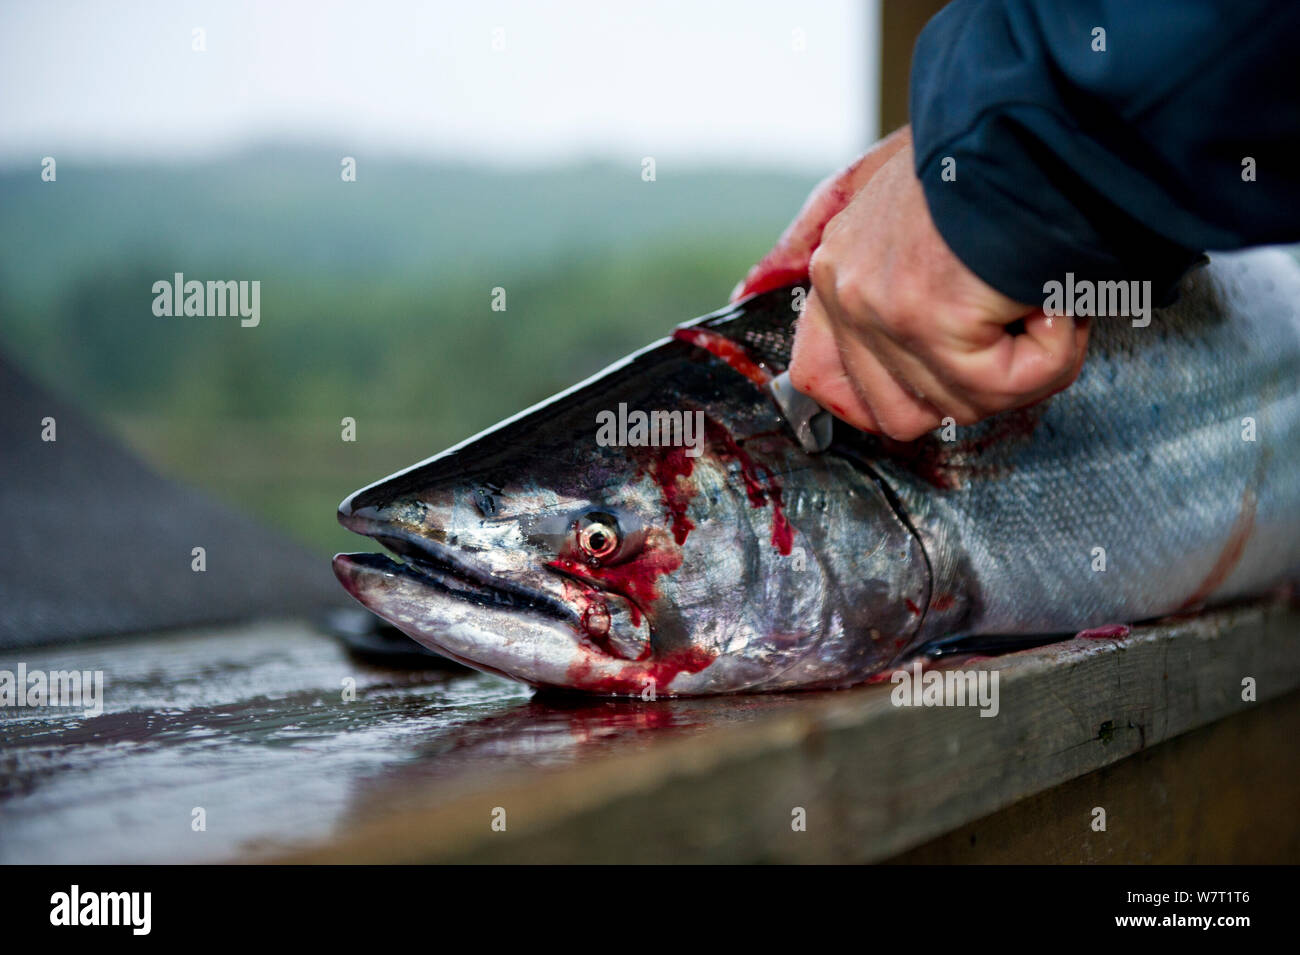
<point x="710" y="553"/>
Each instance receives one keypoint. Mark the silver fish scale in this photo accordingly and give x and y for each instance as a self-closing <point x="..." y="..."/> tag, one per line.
<point x="1142" y="463"/>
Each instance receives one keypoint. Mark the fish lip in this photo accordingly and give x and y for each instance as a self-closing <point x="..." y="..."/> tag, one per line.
<point x="444" y="583"/>
<point x="439" y="567"/>
<point x="346" y="568"/>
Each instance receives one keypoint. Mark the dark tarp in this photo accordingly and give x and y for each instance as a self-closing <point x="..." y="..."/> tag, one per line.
<point x="96" y="543"/>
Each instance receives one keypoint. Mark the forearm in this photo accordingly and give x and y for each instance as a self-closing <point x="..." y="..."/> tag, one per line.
<point x="1122" y="164"/>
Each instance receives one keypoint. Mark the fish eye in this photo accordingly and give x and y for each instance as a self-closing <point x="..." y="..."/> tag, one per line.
<point x="598" y="536"/>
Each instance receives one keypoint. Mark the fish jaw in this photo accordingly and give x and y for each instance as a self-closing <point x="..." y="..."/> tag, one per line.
<point x="527" y="645"/>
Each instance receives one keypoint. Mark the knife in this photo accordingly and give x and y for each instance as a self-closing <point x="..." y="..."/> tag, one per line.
<point x="812" y="424"/>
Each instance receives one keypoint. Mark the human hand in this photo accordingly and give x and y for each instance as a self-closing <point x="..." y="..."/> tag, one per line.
<point x="897" y="334"/>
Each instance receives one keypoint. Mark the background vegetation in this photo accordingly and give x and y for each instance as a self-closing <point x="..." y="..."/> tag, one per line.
<point x="375" y="302"/>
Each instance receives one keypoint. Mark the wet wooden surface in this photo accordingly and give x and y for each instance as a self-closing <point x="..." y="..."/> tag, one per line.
<point x="1225" y="793"/>
<point x="251" y="725"/>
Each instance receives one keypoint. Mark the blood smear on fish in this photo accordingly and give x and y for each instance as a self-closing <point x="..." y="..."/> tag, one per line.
<point x="1114" y="631"/>
<point x="723" y="348"/>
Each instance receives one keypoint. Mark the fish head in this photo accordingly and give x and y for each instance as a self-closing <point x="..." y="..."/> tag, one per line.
<point x="564" y="550"/>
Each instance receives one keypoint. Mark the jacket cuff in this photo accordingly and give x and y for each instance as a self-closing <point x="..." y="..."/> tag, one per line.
<point x="1016" y="247"/>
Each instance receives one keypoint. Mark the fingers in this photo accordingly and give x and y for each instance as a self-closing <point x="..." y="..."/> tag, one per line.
<point x="817" y="371"/>
<point x="920" y="375"/>
<point x="788" y="260"/>
<point x="1018" y="370"/>
<point x="1040" y="358"/>
<point x="900" y="412"/>
<point x="883" y="388"/>
<point x="1049" y="356"/>
<point x="849" y="380"/>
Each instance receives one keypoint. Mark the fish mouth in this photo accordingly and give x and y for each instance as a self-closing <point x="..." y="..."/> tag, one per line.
<point x="449" y="603"/>
<point x="438" y="568"/>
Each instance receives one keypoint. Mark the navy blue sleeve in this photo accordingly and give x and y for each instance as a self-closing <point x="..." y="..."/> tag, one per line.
<point x="1125" y="163"/>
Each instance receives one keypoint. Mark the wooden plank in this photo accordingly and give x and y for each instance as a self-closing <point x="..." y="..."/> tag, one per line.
<point x="1225" y="793"/>
<point x="250" y="725"/>
<point x="873" y="778"/>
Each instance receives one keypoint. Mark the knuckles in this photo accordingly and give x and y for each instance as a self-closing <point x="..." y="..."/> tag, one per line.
<point x="821" y="271"/>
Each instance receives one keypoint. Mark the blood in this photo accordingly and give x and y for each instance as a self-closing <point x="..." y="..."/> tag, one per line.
<point x="782" y="532"/>
<point x="723" y="348"/>
<point x="948" y="466"/>
<point x="913" y="608"/>
<point x="633" y="678"/>
<point x="1114" y="631"/>
<point x="775" y="277"/>
<point x="760" y="492"/>
<point x="672" y="468"/>
<point x="636" y="579"/>
<point x="942" y="602"/>
<point x="671" y="471"/>
<point x="883" y="676"/>
<point x="1231" y="554"/>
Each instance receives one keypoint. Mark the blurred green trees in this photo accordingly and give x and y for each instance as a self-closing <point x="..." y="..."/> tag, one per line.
<point x="375" y="302"/>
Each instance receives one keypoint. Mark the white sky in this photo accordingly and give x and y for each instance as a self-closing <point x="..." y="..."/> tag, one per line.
<point x="681" y="81"/>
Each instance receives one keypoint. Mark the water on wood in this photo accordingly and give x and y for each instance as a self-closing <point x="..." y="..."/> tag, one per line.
<point x="250" y="725"/>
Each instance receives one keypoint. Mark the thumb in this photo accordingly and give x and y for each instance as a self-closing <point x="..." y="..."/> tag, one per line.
<point x="1047" y="357"/>
<point x="788" y="261"/>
